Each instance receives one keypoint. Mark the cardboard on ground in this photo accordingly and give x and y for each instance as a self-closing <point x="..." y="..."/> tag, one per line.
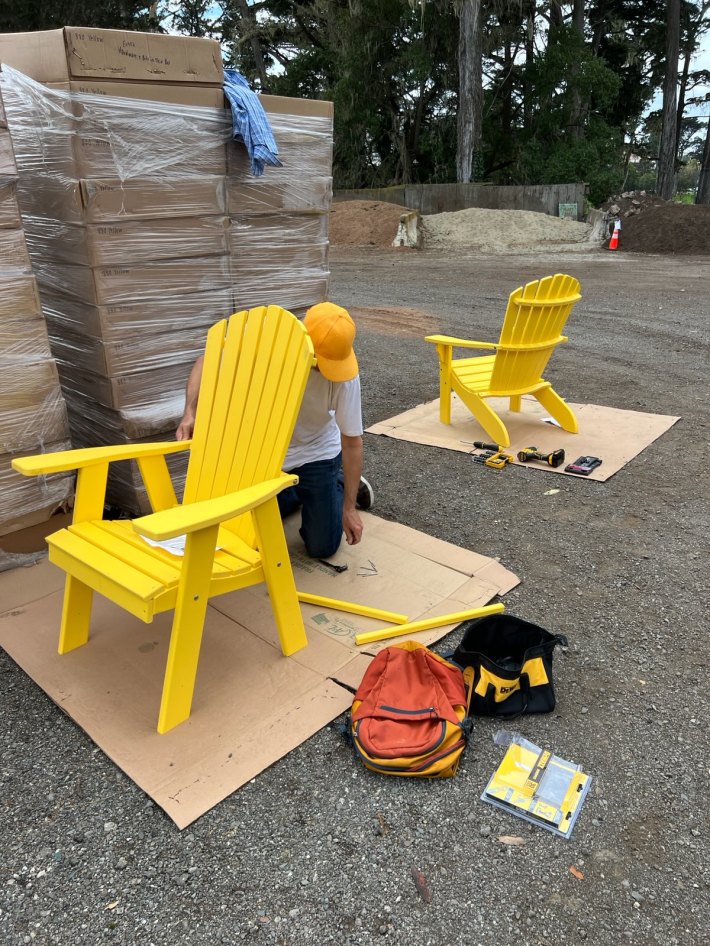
<point x="252" y="705"/>
<point x="615" y="436"/>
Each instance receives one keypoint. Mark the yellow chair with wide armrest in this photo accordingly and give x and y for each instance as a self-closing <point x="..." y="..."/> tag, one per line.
<point x="532" y="328"/>
<point x="255" y="371"/>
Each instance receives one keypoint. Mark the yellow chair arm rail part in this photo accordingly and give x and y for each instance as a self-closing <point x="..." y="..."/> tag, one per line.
<point x="459" y="342"/>
<point x="210" y="512"/>
<point x="64" y="460"/>
<point x="352" y="608"/>
<point x="370" y="637"/>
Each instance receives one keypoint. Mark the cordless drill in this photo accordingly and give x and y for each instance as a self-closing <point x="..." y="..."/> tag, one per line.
<point x="554" y="459"/>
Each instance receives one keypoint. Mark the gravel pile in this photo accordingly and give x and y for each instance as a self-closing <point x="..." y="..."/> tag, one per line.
<point x="505" y="231"/>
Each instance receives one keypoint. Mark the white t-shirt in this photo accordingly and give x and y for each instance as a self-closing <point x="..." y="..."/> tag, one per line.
<point x="328" y="409"/>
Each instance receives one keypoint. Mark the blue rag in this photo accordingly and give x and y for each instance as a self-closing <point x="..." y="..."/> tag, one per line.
<point x="249" y="123"/>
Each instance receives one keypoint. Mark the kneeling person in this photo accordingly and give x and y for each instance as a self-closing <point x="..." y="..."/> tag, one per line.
<point x="326" y="450"/>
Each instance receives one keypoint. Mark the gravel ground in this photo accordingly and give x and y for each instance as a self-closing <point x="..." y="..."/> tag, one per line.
<point x="316" y="850"/>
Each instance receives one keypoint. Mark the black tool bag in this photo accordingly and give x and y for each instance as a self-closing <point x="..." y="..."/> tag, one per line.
<point x="512" y="660"/>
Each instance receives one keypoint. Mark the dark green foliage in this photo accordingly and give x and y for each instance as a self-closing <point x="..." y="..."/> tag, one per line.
<point x="19" y="16"/>
<point x="568" y="106"/>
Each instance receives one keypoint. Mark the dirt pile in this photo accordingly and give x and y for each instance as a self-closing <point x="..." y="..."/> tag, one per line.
<point x="650" y="224"/>
<point x="364" y="223"/>
<point x="375" y="223"/>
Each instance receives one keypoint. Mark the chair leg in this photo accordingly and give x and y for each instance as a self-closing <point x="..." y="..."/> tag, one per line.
<point x="486" y="417"/>
<point x="444" y="399"/>
<point x="515" y="404"/>
<point x="76" y="614"/>
<point x="188" y="624"/>
<point x="279" y="578"/>
<point x="445" y="354"/>
<point x="559" y="409"/>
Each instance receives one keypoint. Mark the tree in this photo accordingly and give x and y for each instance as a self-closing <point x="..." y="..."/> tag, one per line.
<point x="703" y="194"/>
<point x="26" y="15"/>
<point x="470" y="102"/>
<point x="665" y="184"/>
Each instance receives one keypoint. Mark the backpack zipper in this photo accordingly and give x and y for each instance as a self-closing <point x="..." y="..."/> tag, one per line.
<point x="414" y="712"/>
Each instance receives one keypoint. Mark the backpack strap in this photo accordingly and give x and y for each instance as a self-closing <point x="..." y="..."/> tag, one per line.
<point x="469" y="675"/>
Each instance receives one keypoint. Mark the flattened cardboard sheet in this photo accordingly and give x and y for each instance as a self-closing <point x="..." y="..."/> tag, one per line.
<point x="251" y="704"/>
<point x="615" y="436"/>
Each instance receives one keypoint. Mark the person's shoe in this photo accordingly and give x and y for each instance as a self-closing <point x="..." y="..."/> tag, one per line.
<point x="365" y="495"/>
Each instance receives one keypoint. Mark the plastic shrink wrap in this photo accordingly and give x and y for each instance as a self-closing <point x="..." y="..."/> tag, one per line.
<point x="145" y="226"/>
<point x="32" y="410"/>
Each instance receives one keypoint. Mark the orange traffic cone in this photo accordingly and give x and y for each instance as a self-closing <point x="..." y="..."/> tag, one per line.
<point x="614" y="242"/>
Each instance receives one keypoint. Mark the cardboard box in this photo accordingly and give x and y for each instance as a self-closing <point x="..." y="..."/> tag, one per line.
<point x="32" y="537"/>
<point x="121" y="242"/>
<point x="80" y="53"/>
<point x="109" y="285"/>
<point x="60" y="134"/>
<point x="32" y="408"/>
<point x="292" y="260"/>
<point x="153" y="197"/>
<point x="264" y="230"/>
<point x="161" y="315"/>
<point x="89" y="420"/>
<point x="9" y="208"/>
<point x="156" y="387"/>
<point x="263" y="195"/>
<point x="199" y="150"/>
<point x="13" y="250"/>
<point x="8" y="167"/>
<point x="202" y="96"/>
<point x="28" y="500"/>
<point x="300" y="159"/>
<point x="23" y="341"/>
<point x="308" y="108"/>
<point x="295" y="294"/>
<point x="96" y="201"/>
<point x="19" y="297"/>
<point x="112" y="359"/>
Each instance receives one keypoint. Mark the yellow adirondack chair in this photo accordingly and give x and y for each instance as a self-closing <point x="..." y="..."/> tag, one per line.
<point x="532" y="328"/>
<point x="255" y="371"/>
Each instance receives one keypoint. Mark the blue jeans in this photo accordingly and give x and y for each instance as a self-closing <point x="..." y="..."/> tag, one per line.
<point x="319" y="494"/>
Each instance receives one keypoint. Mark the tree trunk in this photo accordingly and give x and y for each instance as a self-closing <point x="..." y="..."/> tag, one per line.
<point x="577" y="106"/>
<point x="680" y="107"/>
<point x="251" y="30"/>
<point x="529" y="60"/>
<point x="703" y="195"/>
<point x="470" y="108"/>
<point x="665" y="182"/>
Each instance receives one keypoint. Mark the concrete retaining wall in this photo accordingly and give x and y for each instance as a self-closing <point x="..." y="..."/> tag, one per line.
<point x="438" y="198"/>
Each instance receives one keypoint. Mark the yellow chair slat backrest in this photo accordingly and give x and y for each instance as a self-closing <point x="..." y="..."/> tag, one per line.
<point x="254" y="374"/>
<point x="532" y="328"/>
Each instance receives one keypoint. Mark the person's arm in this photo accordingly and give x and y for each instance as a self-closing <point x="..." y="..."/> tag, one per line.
<point x="352" y="470"/>
<point x="192" y="390"/>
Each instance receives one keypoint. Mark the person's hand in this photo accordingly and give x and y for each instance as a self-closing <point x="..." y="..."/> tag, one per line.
<point x="352" y="526"/>
<point x="185" y="427"/>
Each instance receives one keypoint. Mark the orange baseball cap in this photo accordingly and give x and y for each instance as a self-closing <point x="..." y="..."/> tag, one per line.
<point x="332" y="332"/>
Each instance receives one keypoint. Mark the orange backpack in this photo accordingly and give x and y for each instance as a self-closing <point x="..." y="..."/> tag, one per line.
<point x="409" y="715"/>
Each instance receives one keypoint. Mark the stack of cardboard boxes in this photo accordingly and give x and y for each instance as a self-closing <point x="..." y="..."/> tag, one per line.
<point x="140" y="235"/>
<point x="32" y="411"/>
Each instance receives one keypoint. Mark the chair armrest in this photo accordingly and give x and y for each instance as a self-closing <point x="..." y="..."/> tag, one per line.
<point x="64" y="460"/>
<point x="458" y="342"/>
<point x="210" y="512"/>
